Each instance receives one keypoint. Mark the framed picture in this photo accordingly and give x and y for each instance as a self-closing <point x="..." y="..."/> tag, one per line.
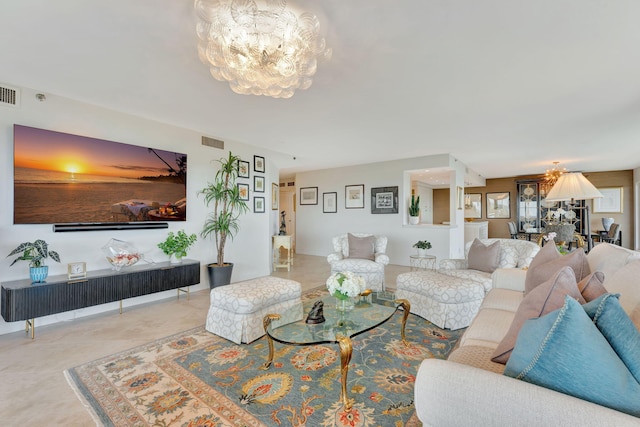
<point x="473" y="205"/>
<point x="243" y="189"/>
<point x="77" y="270"/>
<point x="309" y="196"/>
<point x="498" y="205"/>
<point x="354" y="196"/>
<point x="384" y="200"/>
<point x="275" y="196"/>
<point x="258" y="204"/>
<point x="258" y="164"/>
<point x="243" y="169"/>
<point x="258" y="184"/>
<point x="329" y="202"/>
<point x="611" y="202"/>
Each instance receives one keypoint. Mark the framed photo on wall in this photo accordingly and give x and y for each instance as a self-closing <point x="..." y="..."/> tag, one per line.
<point x="258" y="204"/>
<point x="611" y="202"/>
<point x="384" y="200"/>
<point x="309" y="196"/>
<point x="275" y="196"/>
<point x="354" y="196"/>
<point x="243" y="169"/>
<point x="243" y="189"/>
<point x="258" y="164"/>
<point x="498" y="205"/>
<point x="329" y="202"/>
<point x="258" y="184"/>
<point x="473" y="205"/>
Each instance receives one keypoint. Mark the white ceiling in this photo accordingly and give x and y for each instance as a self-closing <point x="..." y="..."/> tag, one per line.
<point x="506" y="86"/>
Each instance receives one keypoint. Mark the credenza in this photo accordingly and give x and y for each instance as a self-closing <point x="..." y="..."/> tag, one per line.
<point x="23" y="300"/>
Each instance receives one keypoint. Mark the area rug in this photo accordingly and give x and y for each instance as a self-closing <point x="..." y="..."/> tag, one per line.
<point x="195" y="378"/>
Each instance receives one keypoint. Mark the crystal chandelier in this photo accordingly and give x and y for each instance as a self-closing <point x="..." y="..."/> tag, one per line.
<point x="551" y="177"/>
<point x="260" y="50"/>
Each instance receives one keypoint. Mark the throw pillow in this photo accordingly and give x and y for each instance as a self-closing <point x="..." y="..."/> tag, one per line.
<point x="591" y="286"/>
<point x="484" y="257"/>
<point x="544" y="299"/>
<point x="616" y="326"/>
<point x="543" y="269"/>
<point x="564" y="351"/>
<point x="361" y="247"/>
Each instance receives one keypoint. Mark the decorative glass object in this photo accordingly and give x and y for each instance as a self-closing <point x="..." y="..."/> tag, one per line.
<point x="344" y="303"/>
<point x="260" y="47"/>
<point x="345" y="286"/>
<point x="121" y="254"/>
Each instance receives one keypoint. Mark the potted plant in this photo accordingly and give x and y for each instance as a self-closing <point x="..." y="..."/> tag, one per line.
<point x="414" y="210"/>
<point x="176" y="245"/>
<point x="223" y="196"/>
<point x="36" y="253"/>
<point x="422" y="246"/>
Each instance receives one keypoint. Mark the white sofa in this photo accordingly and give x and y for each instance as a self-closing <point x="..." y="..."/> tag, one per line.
<point x="469" y="389"/>
<point x="513" y="254"/>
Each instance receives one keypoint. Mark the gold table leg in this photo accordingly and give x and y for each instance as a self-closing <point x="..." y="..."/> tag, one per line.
<point x="265" y="323"/>
<point x="406" y="306"/>
<point x="30" y="325"/>
<point x="346" y="350"/>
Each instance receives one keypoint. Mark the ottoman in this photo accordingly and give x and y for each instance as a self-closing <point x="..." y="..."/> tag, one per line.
<point x="446" y="301"/>
<point x="237" y="310"/>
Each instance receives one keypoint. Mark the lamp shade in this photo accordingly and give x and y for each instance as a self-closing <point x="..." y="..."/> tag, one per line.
<point x="572" y="186"/>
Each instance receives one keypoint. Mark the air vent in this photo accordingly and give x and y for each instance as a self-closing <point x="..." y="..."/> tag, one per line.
<point x="9" y="96"/>
<point x="211" y="142"/>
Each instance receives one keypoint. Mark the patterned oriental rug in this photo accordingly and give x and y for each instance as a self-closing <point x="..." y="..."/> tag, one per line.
<point x="195" y="378"/>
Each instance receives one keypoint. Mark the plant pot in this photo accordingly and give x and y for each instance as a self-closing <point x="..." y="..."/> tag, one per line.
<point x="422" y="252"/>
<point x="414" y="220"/>
<point x="38" y="274"/>
<point x="174" y="259"/>
<point x="219" y="276"/>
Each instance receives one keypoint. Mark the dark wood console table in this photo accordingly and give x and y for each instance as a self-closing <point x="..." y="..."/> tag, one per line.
<point x="23" y="300"/>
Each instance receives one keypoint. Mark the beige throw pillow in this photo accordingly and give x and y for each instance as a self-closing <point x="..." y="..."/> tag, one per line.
<point x="361" y="247"/>
<point x="544" y="299"/>
<point x="547" y="263"/>
<point x="591" y="286"/>
<point x="484" y="258"/>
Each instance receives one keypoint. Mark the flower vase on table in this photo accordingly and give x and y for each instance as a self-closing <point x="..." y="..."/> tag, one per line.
<point x="345" y="286"/>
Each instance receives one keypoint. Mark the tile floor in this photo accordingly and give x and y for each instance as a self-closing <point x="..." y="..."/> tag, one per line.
<point x="33" y="389"/>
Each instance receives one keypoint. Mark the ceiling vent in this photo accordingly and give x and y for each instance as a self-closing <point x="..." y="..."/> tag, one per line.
<point x="211" y="142"/>
<point x="9" y="96"/>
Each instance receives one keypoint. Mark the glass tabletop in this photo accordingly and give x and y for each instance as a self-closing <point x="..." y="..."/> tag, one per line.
<point x="364" y="316"/>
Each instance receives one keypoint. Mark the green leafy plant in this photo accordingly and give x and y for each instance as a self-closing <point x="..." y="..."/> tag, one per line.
<point x="34" y="252"/>
<point x="422" y="244"/>
<point x="414" y="207"/>
<point x="224" y="195"/>
<point x="177" y="243"/>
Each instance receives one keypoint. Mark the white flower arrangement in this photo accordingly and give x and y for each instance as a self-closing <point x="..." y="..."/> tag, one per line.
<point x="343" y="285"/>
<point x="550" y="236"/>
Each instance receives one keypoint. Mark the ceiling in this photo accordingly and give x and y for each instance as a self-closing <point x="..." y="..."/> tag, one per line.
<point x="505" y="86"/>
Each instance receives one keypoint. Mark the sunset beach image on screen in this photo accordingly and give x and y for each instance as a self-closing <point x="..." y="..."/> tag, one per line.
<point x="63" y="178"/>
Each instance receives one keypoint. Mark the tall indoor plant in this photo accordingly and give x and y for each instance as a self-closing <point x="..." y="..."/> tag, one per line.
<point x="36" y="253"/>
<point x="223" y="196"/>
<point x="414" y="210"/>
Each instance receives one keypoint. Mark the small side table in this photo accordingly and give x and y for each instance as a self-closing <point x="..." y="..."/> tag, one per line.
<point x="424" y="262"/>
<point x="285" y="242"/>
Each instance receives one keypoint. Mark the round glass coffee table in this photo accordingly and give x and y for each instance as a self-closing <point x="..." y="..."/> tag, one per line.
<point x="339" y="327"/>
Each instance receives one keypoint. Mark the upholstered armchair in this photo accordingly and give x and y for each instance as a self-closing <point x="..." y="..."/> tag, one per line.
<point x="362" y="254"/>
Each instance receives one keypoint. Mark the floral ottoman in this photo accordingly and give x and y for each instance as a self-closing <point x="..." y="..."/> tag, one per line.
<point x="446" y="301"/>
<point x="237" y="311"/>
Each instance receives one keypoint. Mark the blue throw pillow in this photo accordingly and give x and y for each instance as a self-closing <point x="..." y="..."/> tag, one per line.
<point x="564" y="351"/>
<point x="616" y="326"/>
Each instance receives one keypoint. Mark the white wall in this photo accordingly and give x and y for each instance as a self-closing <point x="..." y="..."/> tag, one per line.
<point x="250" y="251"/>
<point x="315" y="228"/>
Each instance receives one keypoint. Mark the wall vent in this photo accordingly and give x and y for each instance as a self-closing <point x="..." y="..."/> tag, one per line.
<point x="9" y="96"/>
<point x="211" y="142"/>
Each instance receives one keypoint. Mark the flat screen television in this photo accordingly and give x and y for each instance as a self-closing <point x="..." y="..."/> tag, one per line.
<point x="61" y="178"/>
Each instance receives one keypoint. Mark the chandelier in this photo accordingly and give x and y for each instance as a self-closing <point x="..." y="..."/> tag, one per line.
<point x="260" y="50"/>
<point x="551" y="177"/>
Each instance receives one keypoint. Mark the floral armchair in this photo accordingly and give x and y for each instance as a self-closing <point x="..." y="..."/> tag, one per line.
<point x="361" y="254"/>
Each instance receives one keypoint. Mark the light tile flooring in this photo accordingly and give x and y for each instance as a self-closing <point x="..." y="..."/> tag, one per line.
<point x="33" y="390"/>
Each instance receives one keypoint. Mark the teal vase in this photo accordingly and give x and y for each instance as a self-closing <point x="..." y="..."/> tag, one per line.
<point x="38" y="274"/>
